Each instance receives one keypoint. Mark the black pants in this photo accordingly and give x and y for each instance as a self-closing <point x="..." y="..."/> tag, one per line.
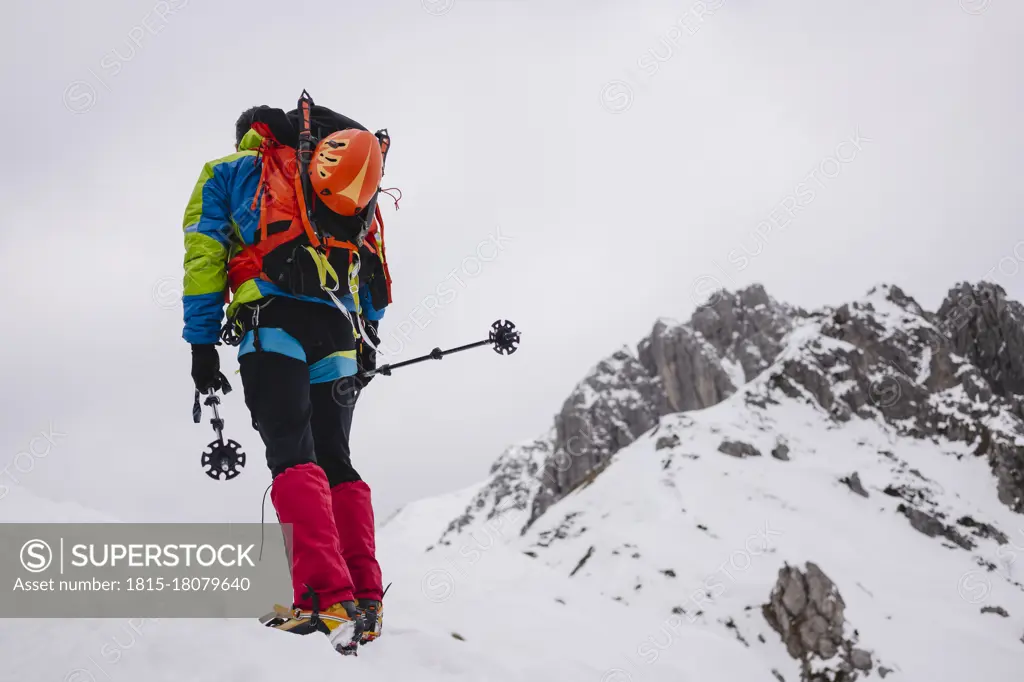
<point x="301" y="422"/>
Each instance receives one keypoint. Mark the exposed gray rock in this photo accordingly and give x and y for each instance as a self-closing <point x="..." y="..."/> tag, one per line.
<point x="507" y="498"/>
<point x="875" y="363"/>
<point x="738" y="448"/>
<point x="853" y="483"/>
<point x="746" y="327"/>
<point x="781" y="451"/>
<point x="586" y="557"/>
<point x="860" y="659"/>
<point x="998" y="610"/>
<point x="689" y="367"/>
<point x="677" y="368"/>
<point x="988" y="330"/>
<point x="807" y="611"/>
<point x="931" y="526"/>
<point x="613" y="405"/>
<point x="665" y="442"/>
<point x="885" y="357"/>
<point x="983" y="530"/>
<point x="1007" y="461"/>
<point x="923" y="522"/>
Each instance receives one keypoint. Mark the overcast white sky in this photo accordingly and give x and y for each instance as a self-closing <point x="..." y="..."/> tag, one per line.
<point x="625" y="153"/>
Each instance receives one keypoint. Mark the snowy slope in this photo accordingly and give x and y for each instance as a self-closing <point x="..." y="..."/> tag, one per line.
<point x="690" y="527"/>
<point x="637" y="542"/>
<point x="502" y="606"/>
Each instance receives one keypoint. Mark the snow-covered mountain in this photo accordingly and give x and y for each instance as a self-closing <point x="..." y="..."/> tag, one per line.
<point x="837" y="491"/>
<point x="760" y="493"/>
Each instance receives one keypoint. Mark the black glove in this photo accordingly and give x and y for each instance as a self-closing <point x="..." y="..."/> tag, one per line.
<point x="206" y="369"/>
<point x="366" y="357"/>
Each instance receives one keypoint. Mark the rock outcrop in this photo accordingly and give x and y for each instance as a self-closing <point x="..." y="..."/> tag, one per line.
<point x="679" y="367"/>
<point x="735" y="448"/>
<point x="747" y="327"/>
<point x="987" y="329"/>
<point x="506" y="500"/>
<point x="886" y="358"/>
<point x="613" y="406"/>
<point x="807" y="611"/>
<point x="689" y="367"/>
<point x="727" y="342"/>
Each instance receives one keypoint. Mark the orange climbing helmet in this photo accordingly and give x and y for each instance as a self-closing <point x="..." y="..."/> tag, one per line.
<point x="346" y="170"/>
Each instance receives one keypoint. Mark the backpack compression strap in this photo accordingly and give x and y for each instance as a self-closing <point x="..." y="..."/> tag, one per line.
<point x="305" y="155"/>
<point x="320" y="246"/>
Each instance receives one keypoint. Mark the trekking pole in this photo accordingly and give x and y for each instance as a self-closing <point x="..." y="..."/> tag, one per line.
<point x="503" y="338"/>
<point x="221" y="458"/>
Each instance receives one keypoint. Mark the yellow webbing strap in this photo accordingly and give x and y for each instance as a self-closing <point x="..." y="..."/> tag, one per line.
<point x="325" y="269"/>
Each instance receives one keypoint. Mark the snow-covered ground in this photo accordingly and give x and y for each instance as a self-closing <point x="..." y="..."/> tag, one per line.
<point x="688" y="526"/>
<point x="492" y="616"/>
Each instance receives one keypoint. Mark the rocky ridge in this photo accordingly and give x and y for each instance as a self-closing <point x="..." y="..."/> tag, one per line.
<point x="955" y="374"/>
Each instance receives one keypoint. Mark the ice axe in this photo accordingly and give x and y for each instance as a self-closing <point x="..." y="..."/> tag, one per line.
<point x="503" y="338"/>
<point x="222" y="460"/>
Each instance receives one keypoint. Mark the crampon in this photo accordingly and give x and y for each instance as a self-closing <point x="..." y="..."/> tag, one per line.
<point x="342" y="623"/>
